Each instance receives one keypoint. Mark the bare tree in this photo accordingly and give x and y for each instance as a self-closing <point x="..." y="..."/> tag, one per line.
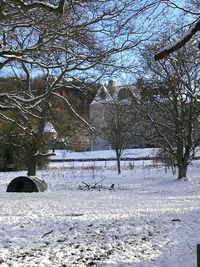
<point x="67" y="42"/>
<point x="175" y="114"/>
<point x="73" y="39"/>
<point x="120" y="118"/>
<point x="116" y="129"/>
<point x="82" y="41"/>
<point x="70" y="41"/>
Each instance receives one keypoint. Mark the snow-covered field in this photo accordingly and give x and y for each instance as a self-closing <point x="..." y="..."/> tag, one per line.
<point x="105" y="154"/>
<point x="149" y="219"/>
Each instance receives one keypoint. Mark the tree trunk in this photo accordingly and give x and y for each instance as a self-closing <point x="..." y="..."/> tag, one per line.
<point x="32" y="166"/>
<point x="118" y="162"/>
<point x="182" y="171"/>
<point x="36" y="145"/>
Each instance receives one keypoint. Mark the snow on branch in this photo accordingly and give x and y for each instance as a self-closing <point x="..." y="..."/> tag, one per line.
<point x="59" y="9"/>
<point x="39" y="154"/>
<point x="195" y="27"/>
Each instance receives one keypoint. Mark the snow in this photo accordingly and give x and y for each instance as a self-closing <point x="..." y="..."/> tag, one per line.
<point x="150" y="219"/>
<point x="48" y="128"/>
<point x="103" y="154"/>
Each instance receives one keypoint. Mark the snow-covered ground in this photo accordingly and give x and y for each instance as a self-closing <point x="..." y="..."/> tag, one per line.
<point x="104" y="154"/>
<point x="149" y="219"/>
<point x="107" y="154"/>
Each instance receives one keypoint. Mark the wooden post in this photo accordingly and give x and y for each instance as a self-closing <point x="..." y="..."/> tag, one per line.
<point x="198" y="255"/>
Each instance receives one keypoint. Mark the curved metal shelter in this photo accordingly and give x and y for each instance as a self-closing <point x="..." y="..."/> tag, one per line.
<point x="27" y="184"/>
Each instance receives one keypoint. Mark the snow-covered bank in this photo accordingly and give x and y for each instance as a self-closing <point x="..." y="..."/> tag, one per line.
<point x="103" y="154"/>
<point x="135" y="153"/>
<point x="149" y="220"/>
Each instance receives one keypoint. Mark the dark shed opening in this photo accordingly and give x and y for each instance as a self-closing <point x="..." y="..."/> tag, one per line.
<point x="27" y="184"/>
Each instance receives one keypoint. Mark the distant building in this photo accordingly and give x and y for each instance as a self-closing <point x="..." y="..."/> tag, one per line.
<point x="98" y="110"/>
<point x="49" y="131"/>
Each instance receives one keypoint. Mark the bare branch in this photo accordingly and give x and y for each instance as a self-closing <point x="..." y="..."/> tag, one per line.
<point x="195" y="27"/>
<point x="74" y="112"/>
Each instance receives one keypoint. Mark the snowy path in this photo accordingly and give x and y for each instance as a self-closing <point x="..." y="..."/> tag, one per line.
<point x="149" y="220"/>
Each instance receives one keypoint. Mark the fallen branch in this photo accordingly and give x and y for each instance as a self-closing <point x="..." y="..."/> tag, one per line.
<point x="48" y="233"/>
<point x="96" y="186"/>
<point x="98" y="182"/>
<point x="87" y="185"/>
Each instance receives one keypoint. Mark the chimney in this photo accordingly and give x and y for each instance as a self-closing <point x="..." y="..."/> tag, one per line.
<point x="111" y="86"/>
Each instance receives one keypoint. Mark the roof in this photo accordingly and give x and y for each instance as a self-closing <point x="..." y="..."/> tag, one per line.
<point x="48" y="128"/>
<point x="131" y="88"/>
<point x="102" y="96"/>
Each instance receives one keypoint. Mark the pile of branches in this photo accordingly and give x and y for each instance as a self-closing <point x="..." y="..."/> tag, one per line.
<point x="95" y="186"/>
